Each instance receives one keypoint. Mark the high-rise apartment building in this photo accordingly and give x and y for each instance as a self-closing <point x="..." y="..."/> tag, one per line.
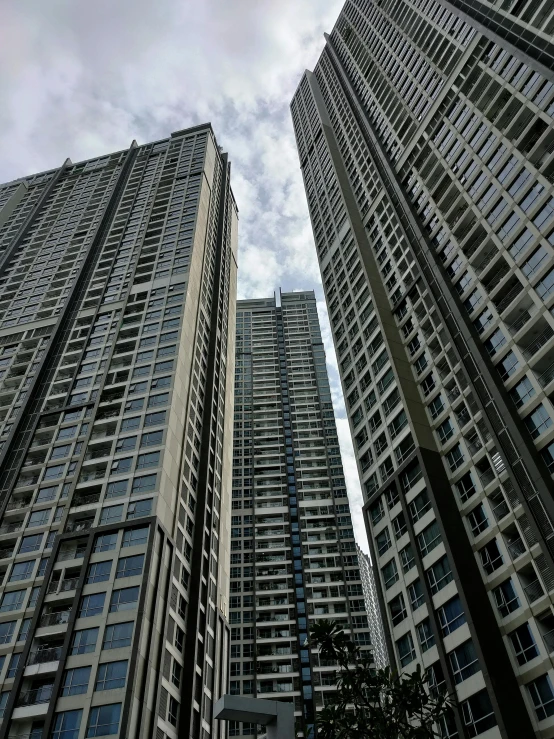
<point x="426" y="139"/>
<point x="293" y="554"/>
<point x="117" y="295"/>
<point x="375" y="621"/>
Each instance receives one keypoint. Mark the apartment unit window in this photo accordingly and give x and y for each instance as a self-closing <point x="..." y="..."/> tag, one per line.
<point x="75" y="681"/>
<point x="390" y="573"/>
<point x="491" y="558"/>
<point x="104" y="720"/>
<point x="451" y="615"/>
<point x="506" y="598"/>
<point x="118" y="635"/>
<point x="508" y="365"/>
<point x="84" y="641"/>
<point x="463" y="661"/>
<point x="455" y="458"/>
<point x="111" y="675"/>
<point x="466" y="487"/>
<point x="425" y="635"/>
<point x="538" y="421"/>
<point x="66" y="725"/>
<point x="439" y="574"/>
<point x="429" y="538"/>
<point x="524" y="644"/>
<point x="522" y="392"/>
<point x="397" y="609"/>
<point x="406" y="650"/>
<point x="419" y="505"/>
<point x="542" y="695"/>
<point x="415" y="591"/>
<point x="383" y="541"/>
<point x="478" y="520"/>
<point x="124" y="599"/>
<point x="478" y="713"/>
<point x="376" y="511"/>
<point x="407" y="558"/>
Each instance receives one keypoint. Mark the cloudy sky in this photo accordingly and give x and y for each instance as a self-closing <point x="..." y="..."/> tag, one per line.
<point x="83" y="78"/>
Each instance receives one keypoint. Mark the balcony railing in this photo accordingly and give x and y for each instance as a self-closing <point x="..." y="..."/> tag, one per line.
<point x="83" y="525"/>
<point x="9" y="528"/>
<point x="516" y="548"/>
<point x="486" y="477"/>
<point x="539" y="342"/>
<point x="78" y="553"/>
<point x="50" y="654"/>
<point x="500" y="510"/>
<point x="36" y="696"/>
<point x="509" y="297"/>
<point x="64" y="586"/>
<point x="547" y="376"/>
<point x="54" y="619"/>
<point x="548" y="639"/>
<point x="85" y="500"/>
<point x="520" y="322"/>
<point x="533" y="591"/>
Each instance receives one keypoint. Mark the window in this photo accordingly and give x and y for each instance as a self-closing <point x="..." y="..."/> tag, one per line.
<point x="111" y="675"/>
<point x="38" y="518"/>
<point x="508" y="365"/>
<point x="425" y="635"/>
<point x="92" y="605"/>
<point x="135" y="537"/>
<point x="405" y="648"/>
<point x="144" y="484"/>
<point x="173" y="710"/>
<point x="383" y="541"/>
<point x="66" y="725"/>
<point x="466" y="487"/>
<point x="464" y="661"/>
<point x="126" y="444"/>
<point x="105" y="543"/>
<point x="6" y="631"/>
<point x="445" y="431"/>
<point x="419" y="505"/>
<point x="429" y="538"/>
<point x="153" y="419"/>
<point x="521" y="392"/>
<point x="99" y="572"/>
<point x="75" y="681"/>
<point x="397" y="609"/>
<point x="124" y="599"/>
<point x="12" y="668"/>
<point x="436" y="406"/>
<point x="542" y="695"/>
<point x="118" y="635"/>
<point x="399" y="526"/>
<point x="148" y="460"/>
<point x="23" y="631"/>
<point x="478" y="713"/>
<point x="104" y="720"/>
<point x="129" y="566"/>
<point x="451" y="615"/>
<point x="121" y="465"/>
<point x="415" y="591"/>
<point x="524" y="644"/>
<point x="491" y="558"/>
<point x="478" y="520"/>
<point x="160" y="399"/>
<point x="117" y="489"/>
<point x="407" y="558"/>
<point x="111" y="514"/>
<point x="544" y="287"/>
<point x="152" y="438"/>
<point x="139" y="509"/>
<point x="376" y="511"/>
<point x="130" y="424"/>
<point x="4" y="695"/>
<point x="538" y="421"/>
<point x="84" y="641"/>
<point x="22" y="570"/>
<point x="390" y="573"/>
<point x="30" y="543"/>
<point x="506" y="598"/>
<point x="12" y="601"/>
<point x="439" y="574"/>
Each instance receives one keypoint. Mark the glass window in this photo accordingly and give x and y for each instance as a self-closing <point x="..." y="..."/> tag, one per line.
<point x="75" y="681"/>
<point x="506" y="598"/>
<point x="117" y="489"/>
<point x="451" y="615"/>
<point x="383" y="541"/>
<point x="407" y="558"/>
<point x="464" y="662"/>
<point x="406" y="651"/>
<point x="522" y="392"/>
<point x="144" y="484"/>
<point x="478" y="713"/>
<point x="152" y="438"/>
<point x="439" y="574"/>
<point x="390" y="573"/>
<point x="538" y="421"/>
<point x="4" y="695"/>
<point x="38" y="518"/>
<point x="148" y="460"/>
<point x="84" y="641"/>
<point x="12" y="601"/>
<point x="425" y="635"/>
<point x="417" y="598"/>
<point x="66" y="725"/>
<point x="130" y="424"/>
<point x="129" y="566"/>
<point x="478" y="520"/>
<point x="124" y="599"/>
<point x="429" y="538"/>
<point x="6" y="631"/>
<point x="139" y="509"/>
<point x="542" y="695"/>
<point x="22" y="570"/>
<point x="111" y="675"/>
<point x="524" y="644"/>
<point x="154" y="419"/>
<point x="91" y="605"/>
<point x="134" y="537"/>
<point x="118" y="635"/>
<point x="105" y="542"/>
<point x="545" y="287"/>
<point x="104" y="720"/>
<point x="30" y="543"/>
<point x="508" y="365"/>
<point x="99" y="572"/>
<point x="111" y="514"/>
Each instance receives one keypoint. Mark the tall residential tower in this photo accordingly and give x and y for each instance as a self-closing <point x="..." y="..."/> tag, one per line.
<point x="426" y="139"/>
<point x="293" y="554"/>
<point x="117" y="295"/>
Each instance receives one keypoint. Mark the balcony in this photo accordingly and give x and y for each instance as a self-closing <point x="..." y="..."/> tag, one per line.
<point x="64" y="586"/>
<point x="486" y="477"/>
<point x="54" y="619"/>
<point x="17" y="503"/>
<point x="537" y="343"/>
<point x="507" y="295"/>
<point x="36" y="696"/>
<point x="9" y="528"/>
<point x="41" y="656"/>
<point x="516" y="548"/>
<point x="82" y="525"/>
<point x="533" y="591"/>
<point x="500" y="510"/>
<point x="547" y="376"/>
<point x="548" y="639"/>
<point x="85" y="500"/>
<point x="77" y="553"/>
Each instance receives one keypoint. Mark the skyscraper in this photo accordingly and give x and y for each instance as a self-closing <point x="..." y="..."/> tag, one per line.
<point x="117" y="295"/>
<point x="293" y="554"/>
<point x="426" y="138"/>
<point x="378" y="639"/>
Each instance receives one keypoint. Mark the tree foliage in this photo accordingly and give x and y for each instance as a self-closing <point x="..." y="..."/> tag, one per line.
<point x="374" y="704"/>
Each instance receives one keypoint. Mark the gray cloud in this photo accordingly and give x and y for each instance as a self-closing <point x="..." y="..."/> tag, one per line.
<point x="83" y="78"/>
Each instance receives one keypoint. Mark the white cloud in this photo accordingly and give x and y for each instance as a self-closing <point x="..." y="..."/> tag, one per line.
<point x="84" y="78"/>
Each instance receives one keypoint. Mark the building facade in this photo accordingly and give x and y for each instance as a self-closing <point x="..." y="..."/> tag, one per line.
<point x="293" y="554"/>
<point x="117" y="295"/>
<point x="426" y="138"/>
<point x="375" y="620"/>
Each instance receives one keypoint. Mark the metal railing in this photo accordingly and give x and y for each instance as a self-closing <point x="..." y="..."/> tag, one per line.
<point x="486" y="477"/>
<point x="83" y="525"/>
<point x="533" y="591"/>
<point x="548" y="639"/>
<point x="538" y="343"/>
<point x="509" y="297"/>
<point x="41" y="656"/>
<point x="33" y="697"/>
<point x="54" y="619"/>
<point x="63" y="586"/>
<point x="516" y="548"/>
<point x="547" y="376"/>
<point x="78" y="553"/>
<point x="500" y="510"/>
<point x="85" y="500"/>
